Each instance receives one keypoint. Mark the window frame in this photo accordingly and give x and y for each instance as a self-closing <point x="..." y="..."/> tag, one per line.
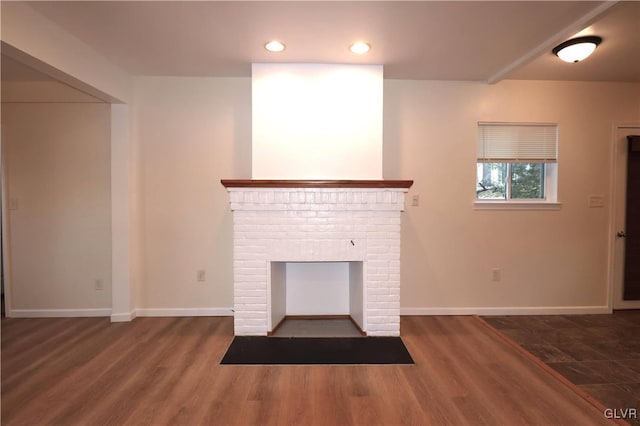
<point x="550" y="182"/>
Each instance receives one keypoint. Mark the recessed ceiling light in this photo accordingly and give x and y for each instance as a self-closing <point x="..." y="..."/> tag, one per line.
<point x="577" y="49"/>
<point x="274" y="46"/>
<point x="360" y="47"/>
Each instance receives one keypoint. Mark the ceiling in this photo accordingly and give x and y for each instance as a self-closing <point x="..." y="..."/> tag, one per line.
<point x="477" y="41"/>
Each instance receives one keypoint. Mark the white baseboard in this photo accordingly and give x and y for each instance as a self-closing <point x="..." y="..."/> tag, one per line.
<point x="58" y="313"/>
<point x="227" y="312"/>
<point x="184" y="312"/>
<point x="510" y="310"/>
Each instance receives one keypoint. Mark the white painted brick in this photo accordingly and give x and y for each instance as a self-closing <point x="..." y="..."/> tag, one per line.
<point x="250" y="315"/>
<point x="255" y="279"/>
<point x="249" y="286"/>
<point x="253" y="322"/>
<point x="254" y="292"/>
<point x="389" y="314"/>
<point x="250" y="331"/>
<point x="250" y="263"/>
<point x="371" y="255"/>
<point x="281" y="197"/>
<point x="382" y="333"/>
<point x="377" y="291"/>
<point x="387" y="326"/>
<point x="373" y="271"/>
<point x="249" y="271"/>
<point x="251" y="300"/>
<point x="251" y="307"/>
<point x="314" y="224"/>
<point x="377" y="263"/>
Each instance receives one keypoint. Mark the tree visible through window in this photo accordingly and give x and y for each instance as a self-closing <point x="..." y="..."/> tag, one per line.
<point x="514" y="161"/>
<point x="506" y="181"/>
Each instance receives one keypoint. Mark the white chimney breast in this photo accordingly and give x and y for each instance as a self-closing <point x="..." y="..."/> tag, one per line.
<point x="317" y="121"/>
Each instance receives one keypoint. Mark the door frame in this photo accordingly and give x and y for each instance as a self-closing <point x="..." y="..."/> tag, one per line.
<point x="618" y="209"/>
<point x="6" y="257"/>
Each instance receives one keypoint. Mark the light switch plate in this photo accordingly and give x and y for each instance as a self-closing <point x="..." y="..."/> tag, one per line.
<point x="596" y="201"/>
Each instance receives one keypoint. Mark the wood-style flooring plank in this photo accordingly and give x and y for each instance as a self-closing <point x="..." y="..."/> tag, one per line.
<point x="166" y="371"/>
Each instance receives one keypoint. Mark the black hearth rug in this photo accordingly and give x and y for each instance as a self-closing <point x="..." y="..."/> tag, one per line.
<point x="258" y="350"/>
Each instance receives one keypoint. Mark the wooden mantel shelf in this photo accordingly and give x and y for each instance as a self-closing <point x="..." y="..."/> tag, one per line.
<point x="257" y="183"/>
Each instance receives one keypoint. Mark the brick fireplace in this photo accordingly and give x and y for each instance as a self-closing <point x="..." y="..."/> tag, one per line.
<point x="280" y="221"/>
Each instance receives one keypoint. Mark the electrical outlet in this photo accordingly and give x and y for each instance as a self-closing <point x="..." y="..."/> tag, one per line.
<point x="99" y="284"/>
<point x="495" y="275"/>
<point x="201" y="275"/>
<point x="415" y="200"/>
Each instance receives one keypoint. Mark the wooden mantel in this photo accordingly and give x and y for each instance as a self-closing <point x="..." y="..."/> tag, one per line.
<point x="258" y="183"/>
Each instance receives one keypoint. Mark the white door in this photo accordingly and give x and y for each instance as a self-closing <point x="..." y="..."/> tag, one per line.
<point x="619" y="220"/>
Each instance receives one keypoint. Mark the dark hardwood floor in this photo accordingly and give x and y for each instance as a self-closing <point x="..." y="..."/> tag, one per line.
<point x="598" y="353"/>
<point x="157" y="371"/>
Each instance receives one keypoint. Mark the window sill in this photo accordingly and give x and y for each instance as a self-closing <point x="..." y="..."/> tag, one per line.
<point x="516" y="205"/>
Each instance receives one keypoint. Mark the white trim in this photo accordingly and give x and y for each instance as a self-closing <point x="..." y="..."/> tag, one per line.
<point x="508" y="310"/>
<point x="516" y="205"/>
<point x="185" y="312"/>
<point x="59" y="313"/>
<point x="613" y="225"/>
<point x="122" y="298"/>
<point x="126" y="317"/>
<point x="6" y="257"/>
<point x="611" y="259"/>
<point x="627" y="304"/>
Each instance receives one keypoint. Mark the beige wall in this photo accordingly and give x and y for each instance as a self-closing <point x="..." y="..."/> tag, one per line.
<point x="57" y="167"/>
<point x="31" y="38"/>
<point x="191" y="132"/>
<point x="547" y="258"/>
<point x="195" y="131"/>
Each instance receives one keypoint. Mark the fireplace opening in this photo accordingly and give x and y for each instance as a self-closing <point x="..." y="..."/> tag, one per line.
<point x="316" y="299"/>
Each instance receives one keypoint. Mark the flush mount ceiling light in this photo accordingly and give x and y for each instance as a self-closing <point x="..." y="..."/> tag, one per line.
<point x="577" y="49"/>
<point x="274" y="46"/>
<point x="360" y="47"/>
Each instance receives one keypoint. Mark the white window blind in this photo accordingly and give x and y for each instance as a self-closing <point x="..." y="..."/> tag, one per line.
<point x="531" y="143"/>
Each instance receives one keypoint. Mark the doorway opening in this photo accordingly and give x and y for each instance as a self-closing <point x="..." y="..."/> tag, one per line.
<point x="623" y="234"/>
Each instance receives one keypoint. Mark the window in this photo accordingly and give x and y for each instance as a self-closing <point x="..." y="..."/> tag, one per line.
<point x="516" y="163"/>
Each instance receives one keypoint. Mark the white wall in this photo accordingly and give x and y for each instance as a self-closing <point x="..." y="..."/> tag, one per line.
<point x="57" y="159"/>
<point x="278" y="293"/>
<point x="318" y="288"/>
<point x="191" y="132"/>
<point x="317" y="121"/>
<point x="547" y="258"/>
<point x="356" y="293"/>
